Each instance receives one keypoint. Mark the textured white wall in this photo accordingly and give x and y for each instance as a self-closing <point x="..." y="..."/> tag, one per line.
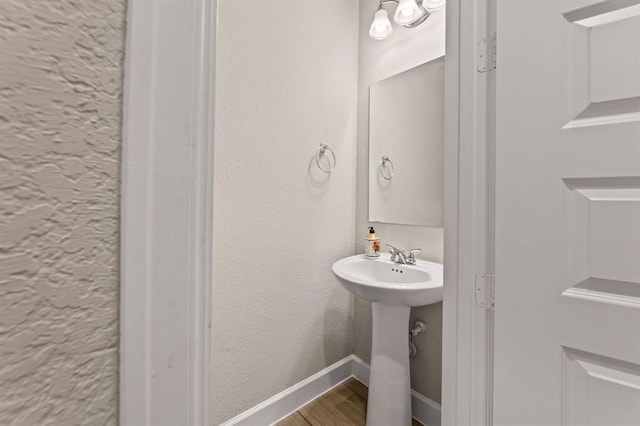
<point x="286" y="81"/>
<point x="405" y="49"/>
<point x="60" y="109"/>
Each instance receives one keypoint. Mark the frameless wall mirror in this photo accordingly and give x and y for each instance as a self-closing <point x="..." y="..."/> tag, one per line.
<point x="406" y="147"/>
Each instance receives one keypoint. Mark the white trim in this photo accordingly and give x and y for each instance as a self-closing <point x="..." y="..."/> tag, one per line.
<point x="167" y="161"/>
<point x="604" y="119"/>
<point x="290" y="400"/>
<point x="425" y="410"/>
<point x="451" y="209"/>
<point x="467" y="328"/>
<point x="298" y="395"/>
<point x="360" y="370"/>
<point x="201" y="233"/>
<point x="602" y="297"/>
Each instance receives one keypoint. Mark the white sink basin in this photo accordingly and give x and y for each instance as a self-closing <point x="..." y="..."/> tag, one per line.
<point x="381" y="280"/>
<point x="392" y="289"/>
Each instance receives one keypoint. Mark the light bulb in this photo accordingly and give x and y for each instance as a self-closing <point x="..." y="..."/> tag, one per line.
<point x="407" y="12"/>
<point x="381" y="26"/>
<point x="433" y="4"/>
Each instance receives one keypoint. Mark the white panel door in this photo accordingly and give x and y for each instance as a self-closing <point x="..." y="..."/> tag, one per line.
<point x="567" y="319"/>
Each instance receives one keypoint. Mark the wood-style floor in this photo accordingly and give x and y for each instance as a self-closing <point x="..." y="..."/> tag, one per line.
<point x="346" y="404"/>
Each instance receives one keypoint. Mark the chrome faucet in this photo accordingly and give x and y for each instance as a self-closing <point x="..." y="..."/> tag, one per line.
<point x="399" y="256"/>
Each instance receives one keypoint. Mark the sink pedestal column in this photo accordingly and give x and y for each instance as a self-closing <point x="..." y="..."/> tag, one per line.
<point x="389" y="383"/>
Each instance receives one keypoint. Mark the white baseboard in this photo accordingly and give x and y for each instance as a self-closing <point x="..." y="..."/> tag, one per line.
<point x="289" y="400"/>
<point x="360" y="370"/>
<point x="425" y="410"/>
<point x="286" y="402"/>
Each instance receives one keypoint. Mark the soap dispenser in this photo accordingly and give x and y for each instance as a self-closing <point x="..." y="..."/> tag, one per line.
<point x="372" y="244"/>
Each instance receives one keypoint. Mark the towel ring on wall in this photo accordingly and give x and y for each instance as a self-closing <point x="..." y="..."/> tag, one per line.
<point x="383" y="167"/>
<point x="321" y="152"/>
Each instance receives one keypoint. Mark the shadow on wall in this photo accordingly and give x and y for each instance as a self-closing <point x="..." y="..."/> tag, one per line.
<point x="336" y="318"/>
<point x="426" y="374"/>
<point x="317" y="180"/>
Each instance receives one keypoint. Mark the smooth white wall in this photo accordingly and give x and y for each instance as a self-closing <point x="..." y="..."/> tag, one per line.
<point x="405" y="49"/>
<point x="286" y="81"/>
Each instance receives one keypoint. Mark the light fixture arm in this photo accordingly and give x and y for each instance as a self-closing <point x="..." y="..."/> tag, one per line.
<point x="413" y="24"/>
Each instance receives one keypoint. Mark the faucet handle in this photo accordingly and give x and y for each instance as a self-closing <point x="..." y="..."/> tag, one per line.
<point x="412" y="256"/>
<point x="393" y="251"/>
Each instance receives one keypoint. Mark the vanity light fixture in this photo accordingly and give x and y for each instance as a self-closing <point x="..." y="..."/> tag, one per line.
<point x="409" y="14"/>
<point x="433" y="4"/>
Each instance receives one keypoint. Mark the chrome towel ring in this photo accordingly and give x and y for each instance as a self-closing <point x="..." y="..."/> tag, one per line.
<point x="320" y="153"/>
<point x="383" y="166"/>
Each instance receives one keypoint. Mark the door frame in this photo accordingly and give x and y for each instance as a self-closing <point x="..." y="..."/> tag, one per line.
<point x="467" y="367"/>
<point x="166" y="212"/>
<point x="466" y="393"/>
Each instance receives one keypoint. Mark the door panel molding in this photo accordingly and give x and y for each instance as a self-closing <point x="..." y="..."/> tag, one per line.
<point x="590" y="383"/>
<point x="600" y="63"/>
<point x="602" y="237"/>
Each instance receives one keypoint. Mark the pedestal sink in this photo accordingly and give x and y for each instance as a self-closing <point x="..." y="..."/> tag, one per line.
<point x="393" y="289"/>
